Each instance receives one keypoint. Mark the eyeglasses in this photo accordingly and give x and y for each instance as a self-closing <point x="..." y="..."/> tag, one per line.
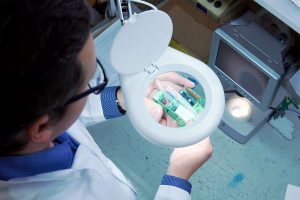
<point x="96" y="85"/>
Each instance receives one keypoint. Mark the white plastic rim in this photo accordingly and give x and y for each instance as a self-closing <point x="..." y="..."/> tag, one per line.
<point x="141" y="41"/>
<point x="134" y="87"/>
<point x="297" y="2"/>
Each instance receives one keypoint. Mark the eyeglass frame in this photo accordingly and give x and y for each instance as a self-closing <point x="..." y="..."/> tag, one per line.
<point x="96" y="89"/>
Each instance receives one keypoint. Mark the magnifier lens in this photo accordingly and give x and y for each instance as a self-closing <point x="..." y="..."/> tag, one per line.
<point x="175" y="99"/>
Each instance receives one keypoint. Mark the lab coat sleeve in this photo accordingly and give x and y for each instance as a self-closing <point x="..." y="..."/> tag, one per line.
<point x="167" y="192"/>
<point x="92" y="112"/>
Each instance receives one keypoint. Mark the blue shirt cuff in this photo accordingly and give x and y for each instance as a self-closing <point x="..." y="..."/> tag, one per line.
<point x="177" y="182"/>
<point x="109" y="104"/>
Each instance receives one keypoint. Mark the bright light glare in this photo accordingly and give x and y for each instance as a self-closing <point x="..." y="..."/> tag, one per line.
<point x="238" y="111"/>
<point x="239" y="108"/>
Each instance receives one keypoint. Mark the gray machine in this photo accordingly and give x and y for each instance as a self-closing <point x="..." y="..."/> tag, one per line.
<point x="248" y="61"/>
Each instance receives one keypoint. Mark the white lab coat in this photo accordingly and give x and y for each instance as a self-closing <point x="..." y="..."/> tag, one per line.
<point x="92" y="175"/>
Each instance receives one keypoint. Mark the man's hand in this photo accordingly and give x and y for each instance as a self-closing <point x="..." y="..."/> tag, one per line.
<point x="185" y="161"/>
<point x="169" y="79"/>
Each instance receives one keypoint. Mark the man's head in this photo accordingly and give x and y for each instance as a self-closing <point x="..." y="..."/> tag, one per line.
<point x="46" y="57"/>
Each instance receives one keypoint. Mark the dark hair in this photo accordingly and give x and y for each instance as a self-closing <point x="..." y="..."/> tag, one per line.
<point x="39" y="45"/>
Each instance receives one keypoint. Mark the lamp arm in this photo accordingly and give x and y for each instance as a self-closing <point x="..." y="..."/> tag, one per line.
<point x="126" y="5"/>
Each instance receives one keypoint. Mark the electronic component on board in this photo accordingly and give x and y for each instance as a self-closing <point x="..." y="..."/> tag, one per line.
<point x="177" y="109"/>
<point x="194" y="99"/>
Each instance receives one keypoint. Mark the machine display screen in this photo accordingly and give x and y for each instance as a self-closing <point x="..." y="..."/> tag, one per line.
<point x="244" y="73"/>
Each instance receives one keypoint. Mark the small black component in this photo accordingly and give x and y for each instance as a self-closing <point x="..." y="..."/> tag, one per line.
<point x="218" y="4"/>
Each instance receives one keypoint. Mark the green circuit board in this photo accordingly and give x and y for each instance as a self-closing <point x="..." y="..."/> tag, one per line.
<point x="169" y="107"/>
<point x="176" y="109"/>
<point x="195" y="100"/>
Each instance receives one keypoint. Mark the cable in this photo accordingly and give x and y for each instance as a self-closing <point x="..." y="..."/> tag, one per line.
<point x="294" y="111"/>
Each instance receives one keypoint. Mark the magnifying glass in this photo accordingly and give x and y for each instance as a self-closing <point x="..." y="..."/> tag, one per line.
<point x="190" y="110"/>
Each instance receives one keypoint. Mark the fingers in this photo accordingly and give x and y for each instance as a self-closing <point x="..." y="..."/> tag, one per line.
<point x="177" y="79"/>
<point x="154" y="109"/>
<point x="175" y="82"/>
<point x="187" y="160"/>
<point x="149" y="91"/>
<point x="152" y="93"/>
<point x="171" y="122"/>
<point x="202" y="150"/>
<point x="163" y="122"/>
<point x="162" y="85"/>
<point x="172" y="79"/>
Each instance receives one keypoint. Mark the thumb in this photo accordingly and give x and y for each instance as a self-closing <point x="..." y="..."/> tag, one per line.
<point x="154" y="109"/>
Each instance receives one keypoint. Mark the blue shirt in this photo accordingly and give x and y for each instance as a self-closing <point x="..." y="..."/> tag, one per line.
<point x="57" y="158"/>
<point x="62" y="154"/>
<point x="109" y="103"/>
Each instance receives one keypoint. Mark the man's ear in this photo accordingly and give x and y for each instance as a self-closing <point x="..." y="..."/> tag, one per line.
<point x="40" y="131"/>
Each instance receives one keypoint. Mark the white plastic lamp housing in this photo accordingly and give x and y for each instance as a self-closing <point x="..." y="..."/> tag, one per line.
<point x="139" y="54"/>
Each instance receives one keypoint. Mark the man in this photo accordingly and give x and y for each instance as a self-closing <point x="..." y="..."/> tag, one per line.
<point x="47" y="61"/>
